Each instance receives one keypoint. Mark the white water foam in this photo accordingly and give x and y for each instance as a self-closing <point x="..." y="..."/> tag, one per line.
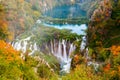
<point x="62" y="53"/>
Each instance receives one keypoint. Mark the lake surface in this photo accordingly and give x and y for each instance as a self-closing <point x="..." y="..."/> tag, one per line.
<point x="65" y="11"/>
<point x="79" y="29"/>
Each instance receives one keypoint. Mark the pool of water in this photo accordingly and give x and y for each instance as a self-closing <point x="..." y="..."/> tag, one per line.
<point x="65" y="11"/>
<point x="79" y="29"/>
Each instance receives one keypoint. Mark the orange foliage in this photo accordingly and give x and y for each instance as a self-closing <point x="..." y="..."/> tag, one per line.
<point x="107" y="68"/>
<point x="115" y="50"/>
<point x="76" y="58"/>
<point x="112" y="72"/>
<point x="7" y="52"/>
<point x="119" y="69"/>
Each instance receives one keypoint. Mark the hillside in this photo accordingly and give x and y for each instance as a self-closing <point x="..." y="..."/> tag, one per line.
<point x="59" y="40"/>
<point x="103" y="36"/>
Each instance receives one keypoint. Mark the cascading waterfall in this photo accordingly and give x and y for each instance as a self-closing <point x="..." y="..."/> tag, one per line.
<point x="61" y="49"/>
<point x="62" y="53"/>
<point x="24" y="45"/>
<point x="83" y="43"/>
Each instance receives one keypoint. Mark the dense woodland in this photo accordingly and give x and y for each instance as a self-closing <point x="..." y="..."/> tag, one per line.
<point x="103" y="41"/>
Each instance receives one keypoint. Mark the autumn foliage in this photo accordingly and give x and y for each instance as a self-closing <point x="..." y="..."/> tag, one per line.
<point x="107" y="68"/>
<point x="115" y="50"/>
<point x="76" y="58"/>
<point x="12" y="67"/>
<point x="3" y="24"/>
<point x="7" y="52"/>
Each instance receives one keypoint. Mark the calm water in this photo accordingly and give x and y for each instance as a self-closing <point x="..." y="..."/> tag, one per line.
<point x="79" y="29"/>
<point x="66" y="11"/>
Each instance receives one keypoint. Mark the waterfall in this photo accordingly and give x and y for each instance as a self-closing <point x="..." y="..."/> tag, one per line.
<point x="24" y="45"/>
<point x="86" y="55"/>
<point x="64" y="50"/>
<point x="83" y="43"/>
<point x="59" y="49"/>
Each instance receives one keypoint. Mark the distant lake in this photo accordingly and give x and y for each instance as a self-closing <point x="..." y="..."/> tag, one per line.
<point x="65" y="11"/>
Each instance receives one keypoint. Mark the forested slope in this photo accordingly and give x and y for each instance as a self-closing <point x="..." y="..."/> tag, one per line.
<point x="103" y="41"/>
<point x="104" y="37"/>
